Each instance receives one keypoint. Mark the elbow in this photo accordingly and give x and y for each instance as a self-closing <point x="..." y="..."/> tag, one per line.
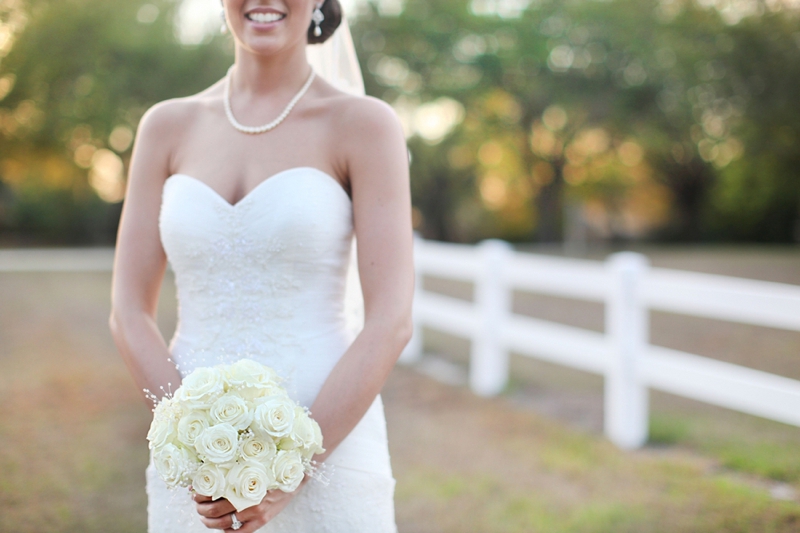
<point x="119" y="322"/>
<point x="405" y="330"/>
<point x="115" y="326"/>
<point x="400" y="330"/>
<point x="393" y="329"/>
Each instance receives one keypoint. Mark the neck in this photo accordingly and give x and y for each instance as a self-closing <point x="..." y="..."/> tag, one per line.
<point x="258" y="75"/>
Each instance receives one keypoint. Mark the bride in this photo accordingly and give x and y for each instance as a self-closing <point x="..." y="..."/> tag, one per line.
<point x="254" y="190"/>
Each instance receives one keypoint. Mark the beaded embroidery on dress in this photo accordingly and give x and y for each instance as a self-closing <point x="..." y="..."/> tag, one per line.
<point x="265" y="279"/>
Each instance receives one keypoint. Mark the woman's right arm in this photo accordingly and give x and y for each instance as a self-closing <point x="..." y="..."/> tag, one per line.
<point x="140" y="261"/>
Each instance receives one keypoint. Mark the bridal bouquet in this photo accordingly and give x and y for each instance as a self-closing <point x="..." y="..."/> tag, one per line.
<point x="232" y="431"/>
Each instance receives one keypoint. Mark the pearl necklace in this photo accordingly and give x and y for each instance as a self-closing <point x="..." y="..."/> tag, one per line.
<point x="274" y="123"/>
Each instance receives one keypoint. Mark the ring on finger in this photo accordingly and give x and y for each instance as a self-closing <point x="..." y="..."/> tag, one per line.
<point x="235" y="523"/>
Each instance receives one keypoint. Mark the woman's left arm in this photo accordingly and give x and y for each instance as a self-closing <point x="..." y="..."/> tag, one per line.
<point x="377" y="164"/>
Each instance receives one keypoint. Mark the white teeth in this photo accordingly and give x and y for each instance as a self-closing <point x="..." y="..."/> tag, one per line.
<point x="264" y="17"/>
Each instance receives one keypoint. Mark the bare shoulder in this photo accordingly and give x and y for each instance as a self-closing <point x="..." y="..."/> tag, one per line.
<point x="171" y="115"/>
<point x="367" y="119"/>
<point x="369" y="138"/>
<point x="163" y="126"/>
<point x="160" y="133"/>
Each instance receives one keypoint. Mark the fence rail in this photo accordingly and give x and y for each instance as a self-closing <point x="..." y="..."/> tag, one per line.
<point x="629" y="288"/>
<point x="56" y="260"/>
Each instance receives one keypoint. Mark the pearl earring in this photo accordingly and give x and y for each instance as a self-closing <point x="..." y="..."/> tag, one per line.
<point x="317" y="17"/>
<point x="224" y="28"/>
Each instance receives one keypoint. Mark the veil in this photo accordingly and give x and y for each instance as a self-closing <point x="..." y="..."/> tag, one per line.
<point x="336" y="61"/>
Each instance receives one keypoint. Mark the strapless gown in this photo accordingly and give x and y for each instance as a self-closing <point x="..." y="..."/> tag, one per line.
<point x="265" y="278"/>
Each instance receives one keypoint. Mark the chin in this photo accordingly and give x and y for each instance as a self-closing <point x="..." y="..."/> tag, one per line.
<point x="269" y="45"/>
<point x="264" y="47"/>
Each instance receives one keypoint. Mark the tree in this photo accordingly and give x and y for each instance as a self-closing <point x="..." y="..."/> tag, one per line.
<point x="672" y="93"/>
<point x="77" y="79"/>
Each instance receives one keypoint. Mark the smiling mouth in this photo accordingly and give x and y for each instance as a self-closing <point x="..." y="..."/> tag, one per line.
<point x="263" y="18"/>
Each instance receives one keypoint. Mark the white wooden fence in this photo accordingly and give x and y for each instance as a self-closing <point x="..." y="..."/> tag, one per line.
<point x="625" y="283"/>
<point x="629" y="288"/>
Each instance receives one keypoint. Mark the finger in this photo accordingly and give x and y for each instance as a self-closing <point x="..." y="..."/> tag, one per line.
<point x="199" y="498"/>
<point x="275" y="495"/>
<point x="215" y="509"/>
<point x="248" y="527"/>
<point x="224" y="522"/>
<point x="257" y="516"/>
<point x="251" y="514"/>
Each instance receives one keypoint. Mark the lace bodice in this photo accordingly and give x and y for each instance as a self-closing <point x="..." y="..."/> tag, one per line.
<point x="260" y="278"/>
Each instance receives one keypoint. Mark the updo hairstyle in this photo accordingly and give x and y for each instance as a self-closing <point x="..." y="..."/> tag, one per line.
<point x="333" y="17"/>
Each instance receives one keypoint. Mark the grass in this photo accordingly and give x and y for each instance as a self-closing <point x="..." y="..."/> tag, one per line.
<point x="471" y="464"/>
<point x="741" y="443"/>
<point x="770" y="460"/>
<point x="72" y="447"/>
<point x="686" y="501"/>
<point x="666" y="429"/>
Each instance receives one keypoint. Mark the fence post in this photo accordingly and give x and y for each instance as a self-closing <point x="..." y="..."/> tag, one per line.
<point x="413" y="350"/>
<point x="627" y="330"/>
<point x="488" y="371"/>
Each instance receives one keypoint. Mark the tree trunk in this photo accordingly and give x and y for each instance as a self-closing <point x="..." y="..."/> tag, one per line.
<point x="550" y="205"/>
<point x="689" y="185"/>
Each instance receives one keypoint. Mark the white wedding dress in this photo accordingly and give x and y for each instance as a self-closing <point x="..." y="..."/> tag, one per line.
<point x="265" y="279"/>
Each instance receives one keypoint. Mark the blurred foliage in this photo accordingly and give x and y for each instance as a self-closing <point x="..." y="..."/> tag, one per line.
<point x="669" y="120"/>
<point x="527" y="120"/>
<point x="73" y="86"/>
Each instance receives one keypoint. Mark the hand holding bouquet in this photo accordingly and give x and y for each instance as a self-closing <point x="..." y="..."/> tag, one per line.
<point x="231" y="431"/>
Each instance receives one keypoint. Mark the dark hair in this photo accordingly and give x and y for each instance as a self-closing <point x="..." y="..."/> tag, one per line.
<point x="333" y="17"/>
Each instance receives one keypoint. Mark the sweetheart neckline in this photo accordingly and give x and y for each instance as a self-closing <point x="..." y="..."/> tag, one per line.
<point x="259" y="186"/>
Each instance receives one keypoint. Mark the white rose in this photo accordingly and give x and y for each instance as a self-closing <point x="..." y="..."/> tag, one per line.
<point x="252" y="380"/>
<point x="286" y="443"/>
<point x="269" y="394"/>
<point x="163" y="428"/>
<point x="288" y="470"/>
<point x="248" y="483"/>
<point x="218" y="444"/>
<point x="275" y="416"/>
<point x="209" y="480"/>
<point x="302" y="432"/>
<point x="260" y="393"/>
<point x="201" y="388"/>
<point x="307" y="434"/>
<point x="248" y="373"/>
<point x="232" y="409"/>
<point x="317" y="436"/>
<point x="191" y="426"/>
<point x="259" y="448"/>
<point x="174" y="464"/>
